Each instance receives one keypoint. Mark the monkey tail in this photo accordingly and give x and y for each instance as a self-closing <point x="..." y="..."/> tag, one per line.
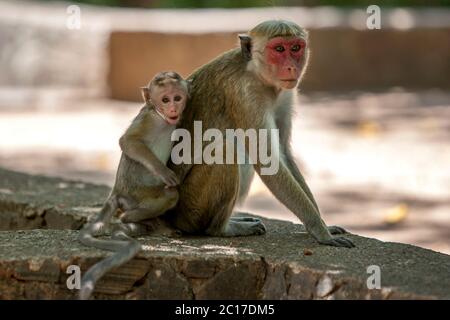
<point x="123" y="250"/>
<point x="127" y="251"/>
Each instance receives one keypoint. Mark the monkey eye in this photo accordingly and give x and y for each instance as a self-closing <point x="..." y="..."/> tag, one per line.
<point x="177" y="98"/>
<point x="165" y="100"/>
<point x="279" y="48"/>
<point x="295" y="47"/>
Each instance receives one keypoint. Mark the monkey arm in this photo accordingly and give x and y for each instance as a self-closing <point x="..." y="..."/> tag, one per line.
<point x="283" y="182"/>
<point x="284" y="187"/>
<point x="294" y="194"/>
<point x="293" y="168"/>
<point x="133" y="142"/>
<point x="137" y="150"/>
<point x="284" y="124"/>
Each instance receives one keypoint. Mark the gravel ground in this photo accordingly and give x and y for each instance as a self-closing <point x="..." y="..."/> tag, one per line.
<point x="378" y="163"/>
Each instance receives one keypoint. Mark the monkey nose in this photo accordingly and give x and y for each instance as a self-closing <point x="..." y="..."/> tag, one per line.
<point x="293" y="71"/>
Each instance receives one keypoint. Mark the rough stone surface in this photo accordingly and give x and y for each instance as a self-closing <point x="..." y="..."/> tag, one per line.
<point x="33" y="264"/>
<point x="32" y="201"/>
<point x="286" y="263"/>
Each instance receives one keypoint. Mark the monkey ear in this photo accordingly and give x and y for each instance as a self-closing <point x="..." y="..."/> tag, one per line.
<point x="145" y="94"/>
<point x="246" y="46"/>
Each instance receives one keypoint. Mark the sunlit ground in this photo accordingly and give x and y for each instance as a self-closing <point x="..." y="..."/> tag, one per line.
<point x="379" y="164"/>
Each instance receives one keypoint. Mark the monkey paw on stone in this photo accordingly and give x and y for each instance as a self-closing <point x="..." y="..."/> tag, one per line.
<point x="241" y="226"/>
<point x="336" y="230"/>
<point x="337" y="242"/>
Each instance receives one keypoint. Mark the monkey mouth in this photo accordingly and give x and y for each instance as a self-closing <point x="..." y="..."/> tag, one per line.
<point x="288" y="80"/>
<point x="173" y="119"/>
<point x="288" y="83"/>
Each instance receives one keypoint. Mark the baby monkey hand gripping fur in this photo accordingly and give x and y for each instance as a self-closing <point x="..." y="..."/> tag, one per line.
<point x="144" y="186"/>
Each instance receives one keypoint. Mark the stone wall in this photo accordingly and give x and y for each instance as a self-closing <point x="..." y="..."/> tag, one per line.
<point x="342" y="59"/>
<point x="285" y="263"/>
<point x="158" y="52"/>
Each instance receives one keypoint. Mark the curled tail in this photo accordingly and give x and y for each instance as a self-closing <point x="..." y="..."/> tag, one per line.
<point x="124" y="249"/>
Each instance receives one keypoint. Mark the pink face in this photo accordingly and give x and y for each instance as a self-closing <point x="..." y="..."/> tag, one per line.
<point x="170" y="101"/>
<point x="284" y="57"/>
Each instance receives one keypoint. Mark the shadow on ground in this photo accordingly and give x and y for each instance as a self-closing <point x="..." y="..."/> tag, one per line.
<point x="367" y="157"/>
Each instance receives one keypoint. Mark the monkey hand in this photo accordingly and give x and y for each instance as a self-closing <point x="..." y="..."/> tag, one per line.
<point x="169" y="177"/>
<point x="326" y="237"/>
<point x="337" y="242"/>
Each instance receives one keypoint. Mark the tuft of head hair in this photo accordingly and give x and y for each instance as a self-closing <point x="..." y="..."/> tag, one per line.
<point x="278" y="28"/>
<point x="165" y="78"/>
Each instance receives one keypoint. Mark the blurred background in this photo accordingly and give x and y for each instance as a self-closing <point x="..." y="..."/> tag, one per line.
<point x="372" y="126"/>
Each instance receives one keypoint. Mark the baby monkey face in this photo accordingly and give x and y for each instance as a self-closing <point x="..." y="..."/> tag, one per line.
<point x="170" y="100"/>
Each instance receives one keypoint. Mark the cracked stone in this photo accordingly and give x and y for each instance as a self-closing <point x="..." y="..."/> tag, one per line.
<point x="324" y="287"/>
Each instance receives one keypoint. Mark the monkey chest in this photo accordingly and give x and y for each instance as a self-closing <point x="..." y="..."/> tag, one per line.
<point x="161" y="145"/>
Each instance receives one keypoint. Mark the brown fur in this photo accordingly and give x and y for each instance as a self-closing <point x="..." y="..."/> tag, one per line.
<point x="143" y="190"/>
<point x="229" y="92"/>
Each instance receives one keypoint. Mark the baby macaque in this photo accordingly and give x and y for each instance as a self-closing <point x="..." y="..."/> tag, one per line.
<point x="144" y="188"/>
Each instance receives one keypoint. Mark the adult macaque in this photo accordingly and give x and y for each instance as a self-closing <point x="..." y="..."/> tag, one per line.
<point x="144" y="186"/>
<point x="249" y="87"/>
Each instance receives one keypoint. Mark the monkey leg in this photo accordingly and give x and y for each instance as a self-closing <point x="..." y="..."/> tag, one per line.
<point x="237" y="217"/>
<point x="239" y="226"/>
<point x="245" y="219"/>
<point x="207" y="199"/>
<point x="152" y="205"/>
<point x="243" y="228"/>
<point x="124" y="246"/>
<point x="96" y="228"/>
<point x="126" y="231"/>
<point x="236" y="226"/>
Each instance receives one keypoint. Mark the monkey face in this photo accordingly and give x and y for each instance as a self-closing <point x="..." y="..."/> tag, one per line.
<point x="284" y="59"/>
<point x="170" y="101"/>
